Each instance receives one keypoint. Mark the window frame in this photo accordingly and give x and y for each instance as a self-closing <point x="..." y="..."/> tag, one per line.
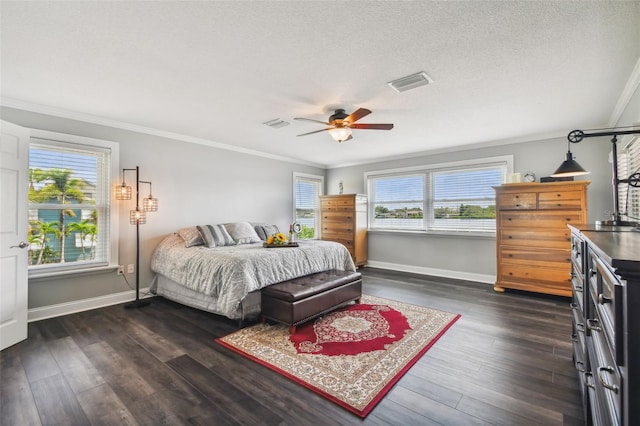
<point x="319" y="180"/>
<point x="427" y="172"/>
<point x="628" y="164"/>
<point x="42" y="137"/>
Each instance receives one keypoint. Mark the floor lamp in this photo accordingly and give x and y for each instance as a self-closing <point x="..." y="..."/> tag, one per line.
<point x="137" y="217"/>
<point x="570" y="167"/>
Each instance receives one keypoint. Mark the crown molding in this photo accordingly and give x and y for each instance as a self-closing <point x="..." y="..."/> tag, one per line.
<point x="625" y="97"/>
<point x="101" y="121"/>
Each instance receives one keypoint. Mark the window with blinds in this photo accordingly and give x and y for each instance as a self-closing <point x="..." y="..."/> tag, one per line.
<point x="453" y="197"/>
<point x="306" y="200"/>
<point x="69" y="205"/>
<point x="628" y="165"/>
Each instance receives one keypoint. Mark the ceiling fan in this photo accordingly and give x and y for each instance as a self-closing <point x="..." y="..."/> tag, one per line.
<point x="340" y="124"/>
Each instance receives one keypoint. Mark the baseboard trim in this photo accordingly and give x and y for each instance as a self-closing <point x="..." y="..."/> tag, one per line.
<point x="51" y="311"/>
<point x="467" y="276"/>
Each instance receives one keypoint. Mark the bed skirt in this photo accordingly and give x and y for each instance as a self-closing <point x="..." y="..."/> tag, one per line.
<point x="169" y="289"/>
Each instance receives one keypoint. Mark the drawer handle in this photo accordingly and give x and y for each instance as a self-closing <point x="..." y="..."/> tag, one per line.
<point x="585" y="380"/>
<point x="573" y="305"/>
<point x="510" y="237"/>
<point x="568" y="219"/>
<point x="592" y="324"/>
<point x="578" y="288"/>
<point x="578" y="364"/>
<point x="602" y="299"/>
<point x="517" y="205"/>
<point x="609" y="370"/>
<point x="580" y="327"/>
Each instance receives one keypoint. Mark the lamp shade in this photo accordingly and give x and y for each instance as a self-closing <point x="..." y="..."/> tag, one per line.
<point x="123" y="192"/>
<point x="569" y="167"/>
<point x="340" y="134"/>
<point x="150" y="204"/>
<point x="137" y="217"/>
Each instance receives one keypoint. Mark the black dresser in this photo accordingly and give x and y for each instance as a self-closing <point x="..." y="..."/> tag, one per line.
<point x="606" y="322"/>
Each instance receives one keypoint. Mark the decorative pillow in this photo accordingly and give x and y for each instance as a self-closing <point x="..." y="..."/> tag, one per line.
<point x="264" y="230"/>
<point x="242" y="232"/>
<point x="215" y="236"/>
<point x="191" y="236"/>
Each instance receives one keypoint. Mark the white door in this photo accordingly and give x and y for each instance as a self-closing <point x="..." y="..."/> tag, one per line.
<point x="14" y="181"/>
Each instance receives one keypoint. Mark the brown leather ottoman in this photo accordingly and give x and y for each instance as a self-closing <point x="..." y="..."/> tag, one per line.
<point x="300" y="299"/>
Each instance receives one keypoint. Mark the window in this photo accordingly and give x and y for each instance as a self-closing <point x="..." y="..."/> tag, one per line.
<point x="449" y="198"/>
<point x="70" y="220"/>
<point x="306" y="192"/>
<point x="629" y="164"/>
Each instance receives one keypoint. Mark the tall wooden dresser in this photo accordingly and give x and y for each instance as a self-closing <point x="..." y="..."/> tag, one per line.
<point x="344" y="220"/>
<point x="533" y="242"/>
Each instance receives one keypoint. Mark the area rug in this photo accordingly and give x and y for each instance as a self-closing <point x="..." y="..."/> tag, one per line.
<point x="352" y="356"/>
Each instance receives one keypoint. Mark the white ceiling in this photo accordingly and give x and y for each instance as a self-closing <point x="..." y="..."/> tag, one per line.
<point x="215" y="71"/>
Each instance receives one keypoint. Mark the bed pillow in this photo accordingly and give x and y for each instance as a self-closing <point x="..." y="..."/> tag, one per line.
<point x="242" y="233"/>
<point x="215" y="236"/>
<point x="191" y="236"/>
<point x="264" y="230"/>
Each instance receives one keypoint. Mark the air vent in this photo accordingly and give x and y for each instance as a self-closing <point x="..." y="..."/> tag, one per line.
<point x="276" y="123"/>
<point x="410" y="82"/>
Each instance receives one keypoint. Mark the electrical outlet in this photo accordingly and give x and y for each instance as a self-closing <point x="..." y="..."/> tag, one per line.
<point x="120" y="270"/>
<point x="130" y="268"/>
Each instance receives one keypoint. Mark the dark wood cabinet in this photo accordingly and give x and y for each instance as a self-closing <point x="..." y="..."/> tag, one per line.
<point x="606" y="322"/>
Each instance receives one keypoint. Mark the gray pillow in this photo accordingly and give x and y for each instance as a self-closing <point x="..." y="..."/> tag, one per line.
<point x="191" y="236"/>
<point x="215" y="236"/>
<point x="264" y="230"/>
<point x="242" y="232"/>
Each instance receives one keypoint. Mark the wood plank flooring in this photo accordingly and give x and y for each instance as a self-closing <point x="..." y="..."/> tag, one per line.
<point x="507" y="361"/>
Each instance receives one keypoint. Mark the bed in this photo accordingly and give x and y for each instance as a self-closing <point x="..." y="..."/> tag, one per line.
<point x="225" y="277"/>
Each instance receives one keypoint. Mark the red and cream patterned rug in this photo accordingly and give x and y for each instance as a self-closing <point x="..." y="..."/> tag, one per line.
<point x="352" y="356"/>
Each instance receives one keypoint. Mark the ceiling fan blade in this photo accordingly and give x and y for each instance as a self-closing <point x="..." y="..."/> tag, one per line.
<point x="357" y="115"/>
<point x="312" y="120"/>
<point x="372" y="126"/>
<point x="316" y="131"/>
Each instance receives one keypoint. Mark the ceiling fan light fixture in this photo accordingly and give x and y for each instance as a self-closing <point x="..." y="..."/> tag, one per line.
<point x="410" y="82"/>
<point x="340" y="134"/>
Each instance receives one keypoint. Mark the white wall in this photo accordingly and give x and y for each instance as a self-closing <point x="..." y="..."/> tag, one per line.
<point x="195" y="185"/>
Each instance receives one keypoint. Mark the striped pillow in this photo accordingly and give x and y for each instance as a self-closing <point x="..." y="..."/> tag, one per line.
<point x="215" y="236"/>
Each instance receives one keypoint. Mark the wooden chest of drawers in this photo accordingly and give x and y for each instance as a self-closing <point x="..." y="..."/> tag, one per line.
<point x="533" y="242"/>
<point x="344" y="220"/>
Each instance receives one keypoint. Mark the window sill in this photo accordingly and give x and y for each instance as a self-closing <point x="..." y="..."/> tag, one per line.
<point x="439" y="233"/>
<point x="43" y="275"/>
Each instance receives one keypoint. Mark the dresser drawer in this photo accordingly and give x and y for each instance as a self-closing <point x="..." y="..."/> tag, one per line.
<point x="519" y="200"/>
<point x="560" y="259"/>
<point x="551" y="238"/>
<point x="337" y="204"/>
<point x="337" y="216"/>
<point x="338" y="227"/>
<point x="607" y="298"/>
<point x="548" y="277"/>
<point x="540" y="219"/>
<point x="560" y="200"/>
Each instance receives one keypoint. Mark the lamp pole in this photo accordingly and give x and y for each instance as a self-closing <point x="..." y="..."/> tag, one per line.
<point x="578" y="135"/>
<point x="137" y="303"/>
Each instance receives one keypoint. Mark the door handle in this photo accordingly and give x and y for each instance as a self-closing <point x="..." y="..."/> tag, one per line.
<point x="22" y="245"/>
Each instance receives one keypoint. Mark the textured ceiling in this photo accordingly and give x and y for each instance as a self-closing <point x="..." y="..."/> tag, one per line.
<point x="215" y="71"/>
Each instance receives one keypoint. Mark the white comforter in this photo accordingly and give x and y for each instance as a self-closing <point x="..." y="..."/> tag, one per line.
<point x="230" y="273"/>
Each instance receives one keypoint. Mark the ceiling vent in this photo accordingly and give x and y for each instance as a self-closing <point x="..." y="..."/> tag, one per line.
<point x="276" y="123"/>
<point x="410" y="82"/>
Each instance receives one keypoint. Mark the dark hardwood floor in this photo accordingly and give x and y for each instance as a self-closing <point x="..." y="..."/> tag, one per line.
<point x="507" y="361"/>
